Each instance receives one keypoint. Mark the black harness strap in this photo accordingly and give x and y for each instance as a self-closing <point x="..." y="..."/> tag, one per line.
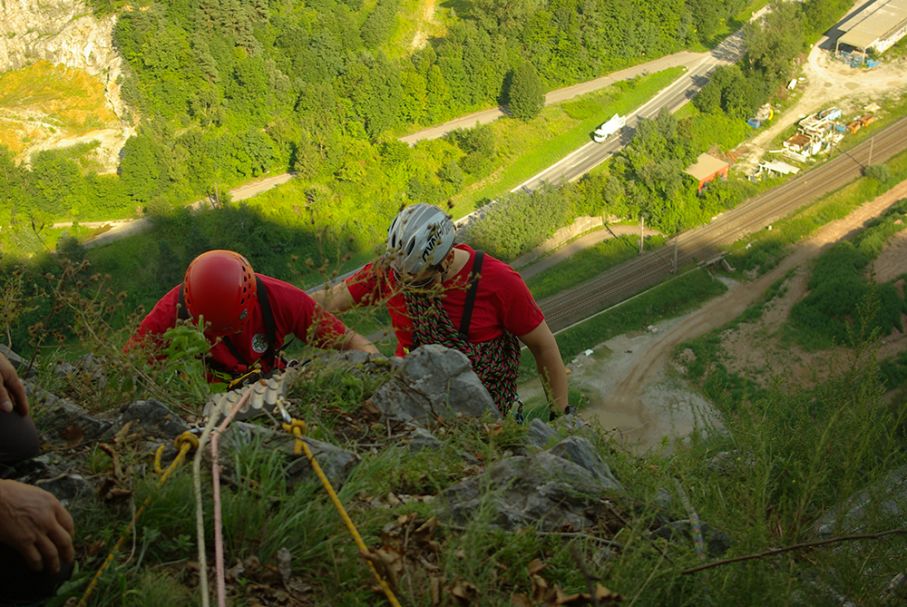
<point x="471" y="296"/>
<point x="264" y="303"/>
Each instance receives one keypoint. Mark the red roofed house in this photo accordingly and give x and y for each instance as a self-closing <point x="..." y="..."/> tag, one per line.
<point x="706" y="169"/>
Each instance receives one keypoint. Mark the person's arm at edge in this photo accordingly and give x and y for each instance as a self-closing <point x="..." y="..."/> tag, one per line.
<point x="35" y="523"/>
<point x="543" y="346"/>
<point x="12" y="393"/>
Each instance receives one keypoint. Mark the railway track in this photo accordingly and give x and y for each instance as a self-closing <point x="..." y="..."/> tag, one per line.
<point x="705" y="243"/>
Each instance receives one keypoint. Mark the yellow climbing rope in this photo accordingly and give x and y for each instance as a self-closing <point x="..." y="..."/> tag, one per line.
<point x="185" y="442"/>
<point x="297" y="427"/>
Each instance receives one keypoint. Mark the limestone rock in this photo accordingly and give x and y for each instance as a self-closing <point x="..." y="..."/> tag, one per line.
<point x="88" y="369"/>
<point x="581" y="452"/>
<point x="717" y="542"/>
<point x="67" y="32"/>
<point x="886" y="498"/>
<point x="154" y="419"/>
<point x="539" y="434"/>
<point x="18" y="362"/>
<point x="61" y="420"/>
<point x="336" y="462"/>
<point x="423" y="439"/>
<point x="67" y="487"/>
<point x="434" y="382"/>
<point x="542" y="489"/>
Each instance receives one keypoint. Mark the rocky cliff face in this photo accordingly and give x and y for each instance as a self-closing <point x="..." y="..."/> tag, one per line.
<point x="67" y="32"/>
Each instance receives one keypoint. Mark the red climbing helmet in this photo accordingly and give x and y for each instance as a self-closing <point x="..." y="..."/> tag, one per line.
<point x="220" y="286"/>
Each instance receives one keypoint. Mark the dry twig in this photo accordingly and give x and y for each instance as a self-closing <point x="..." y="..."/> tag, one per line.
<point x="803" y="545"/>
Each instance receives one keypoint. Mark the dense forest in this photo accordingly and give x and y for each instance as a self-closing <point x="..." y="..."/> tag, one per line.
<point x="227" y="90"/>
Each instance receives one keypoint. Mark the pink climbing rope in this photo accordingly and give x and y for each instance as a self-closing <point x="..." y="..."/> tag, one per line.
<point x="215" y="479"/>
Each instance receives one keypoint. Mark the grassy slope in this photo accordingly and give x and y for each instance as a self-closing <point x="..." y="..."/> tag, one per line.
<point x="44" y="99"/>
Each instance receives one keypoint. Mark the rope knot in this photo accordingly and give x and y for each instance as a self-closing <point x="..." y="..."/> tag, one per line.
<point x="186" y="439"/>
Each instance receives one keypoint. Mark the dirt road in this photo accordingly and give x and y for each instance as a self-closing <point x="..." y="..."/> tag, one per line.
<point x="122" y="228"/>
<point x="634" y="395"/>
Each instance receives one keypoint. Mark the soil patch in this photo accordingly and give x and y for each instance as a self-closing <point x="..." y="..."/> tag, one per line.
<point x="633" y="391"/>
<point x="892" y="262"/>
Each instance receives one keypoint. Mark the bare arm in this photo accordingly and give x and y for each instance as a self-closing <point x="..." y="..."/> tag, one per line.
<point x="354" y="341"/>
<point x="543" y="346"/>
<point x="35" y="523"/>
<point x="334" y="299"/>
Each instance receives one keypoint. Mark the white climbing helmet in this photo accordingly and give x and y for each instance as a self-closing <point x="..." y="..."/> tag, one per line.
<point x="419" y="238"/>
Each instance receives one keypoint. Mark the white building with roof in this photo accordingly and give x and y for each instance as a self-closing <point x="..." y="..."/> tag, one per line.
<point x="876" y="28"/>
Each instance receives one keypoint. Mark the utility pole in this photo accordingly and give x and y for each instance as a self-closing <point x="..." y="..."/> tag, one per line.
<point x="871" y="142"/>
<point x="642" y="223"/>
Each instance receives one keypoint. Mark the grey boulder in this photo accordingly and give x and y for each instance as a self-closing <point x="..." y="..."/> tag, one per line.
<point x="434" y="382"/>
<point x="543" y="490"/>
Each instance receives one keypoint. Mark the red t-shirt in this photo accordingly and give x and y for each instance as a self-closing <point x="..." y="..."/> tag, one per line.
<point x="503" y="302"/>
<point x="294" y="312"/>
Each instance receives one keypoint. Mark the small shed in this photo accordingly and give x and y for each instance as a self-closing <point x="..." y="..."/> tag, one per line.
<point x="779" y="167"/>
<point x="706" y="169"/>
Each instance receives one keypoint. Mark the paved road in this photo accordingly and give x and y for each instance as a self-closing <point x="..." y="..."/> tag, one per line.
<point x="683" y="58"/>
<point x="704" y="244"/>
<point x="122" y="228"/>
<point x="581" y="161"/>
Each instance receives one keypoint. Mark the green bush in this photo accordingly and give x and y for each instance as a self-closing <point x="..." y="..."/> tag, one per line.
<point x="842" y="304"/>
<point x="518" y="222"/>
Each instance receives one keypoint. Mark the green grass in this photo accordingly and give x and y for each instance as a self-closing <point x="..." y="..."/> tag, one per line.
<point x="785" y="467"/>
<point x="669" y="299"/>
<point x="409" y="20"/>
<point x="588" y="263"/>
<point x="524" y="149"/>
<point x="843" y="303"/>
<point x="687" y="110"/>
<point x="746" y="12"/>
